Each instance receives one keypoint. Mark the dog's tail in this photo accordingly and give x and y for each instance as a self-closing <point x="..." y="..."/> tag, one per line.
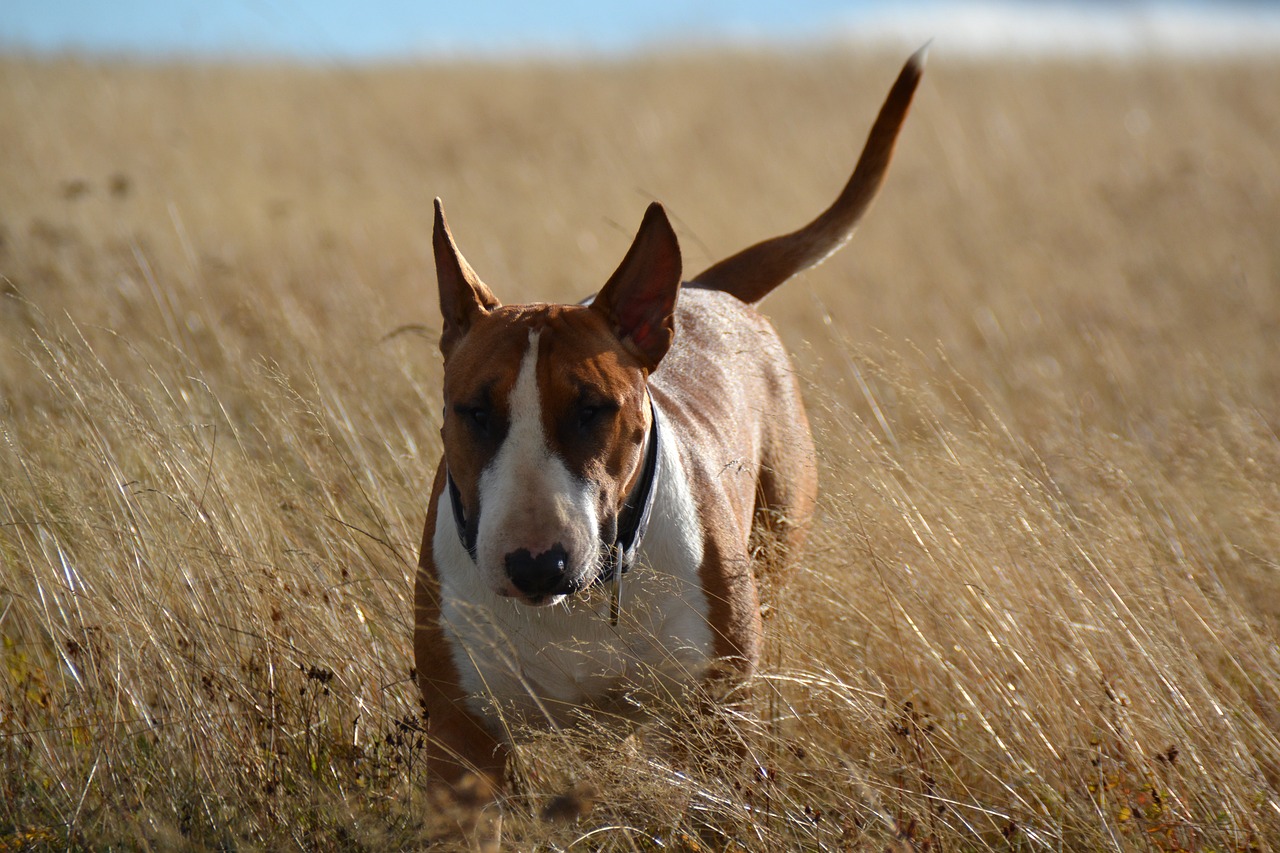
<point x="752" y="273"/>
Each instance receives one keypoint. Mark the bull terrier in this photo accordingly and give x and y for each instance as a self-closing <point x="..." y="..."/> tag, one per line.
<point x="651" y="438"/>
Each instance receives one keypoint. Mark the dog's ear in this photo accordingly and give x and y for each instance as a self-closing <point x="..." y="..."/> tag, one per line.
<point x="639" y="300"/>
<point x="463" y="296"/>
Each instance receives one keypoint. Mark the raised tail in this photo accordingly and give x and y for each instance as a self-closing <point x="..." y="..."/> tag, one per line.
<point x="755" y="271"/>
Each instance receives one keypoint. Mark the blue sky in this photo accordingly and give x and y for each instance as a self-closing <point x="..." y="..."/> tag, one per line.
<point x="348" y="30"/>
<point x="360" y="30"/>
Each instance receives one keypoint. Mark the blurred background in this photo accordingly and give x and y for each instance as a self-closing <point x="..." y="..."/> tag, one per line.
<point x="399" y="29"/>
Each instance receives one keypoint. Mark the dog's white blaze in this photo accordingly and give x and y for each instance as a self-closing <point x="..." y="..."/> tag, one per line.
<point x="528" y="498"/>
<point x="544" y="662"/>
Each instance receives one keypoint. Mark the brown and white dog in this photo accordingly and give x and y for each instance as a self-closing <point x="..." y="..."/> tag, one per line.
<point x="636" y="438"/>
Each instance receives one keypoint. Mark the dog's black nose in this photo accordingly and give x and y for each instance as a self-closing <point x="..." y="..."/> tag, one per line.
<point x="540" y="575"/>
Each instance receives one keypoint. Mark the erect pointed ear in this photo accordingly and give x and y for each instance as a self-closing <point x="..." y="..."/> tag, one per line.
<point x="639" y="300"/>
<point x="463" y="296"/>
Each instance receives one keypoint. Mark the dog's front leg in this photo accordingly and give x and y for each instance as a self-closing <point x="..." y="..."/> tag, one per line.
<point x="461" y="753"/>
<point x="459" y="744"/>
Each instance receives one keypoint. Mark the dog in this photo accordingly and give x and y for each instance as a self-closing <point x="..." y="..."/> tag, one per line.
<point x="611" y="469"/>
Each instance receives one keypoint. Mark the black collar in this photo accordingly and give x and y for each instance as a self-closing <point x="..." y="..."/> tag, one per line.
<point x="633" y="520"/>
<point x="467" y="536"/>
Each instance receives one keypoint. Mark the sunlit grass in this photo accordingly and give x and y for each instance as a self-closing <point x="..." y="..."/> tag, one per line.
<point x="1040" y="605"/>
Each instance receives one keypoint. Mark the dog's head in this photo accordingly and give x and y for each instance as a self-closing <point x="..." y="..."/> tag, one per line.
<point x="545" y="413"/>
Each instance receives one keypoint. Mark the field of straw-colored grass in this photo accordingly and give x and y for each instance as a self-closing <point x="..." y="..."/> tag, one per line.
<point x="1041" y="602"/>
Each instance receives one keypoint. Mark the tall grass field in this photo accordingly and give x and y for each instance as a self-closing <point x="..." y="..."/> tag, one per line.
<point x="1040" y="606"/>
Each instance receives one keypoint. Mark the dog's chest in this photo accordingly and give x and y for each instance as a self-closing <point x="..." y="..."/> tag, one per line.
<point x="544" y="662"/>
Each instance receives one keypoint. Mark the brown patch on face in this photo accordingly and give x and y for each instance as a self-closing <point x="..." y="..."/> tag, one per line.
<point x="594" y="409"/>
<point x="479" y="374"/>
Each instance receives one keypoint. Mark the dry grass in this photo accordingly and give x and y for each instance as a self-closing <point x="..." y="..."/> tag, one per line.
<point x="1042" y="604"/>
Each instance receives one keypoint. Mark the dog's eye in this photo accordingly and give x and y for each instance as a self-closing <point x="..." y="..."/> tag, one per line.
<point x="592" y="414"/>
<point x="476" y="416"/>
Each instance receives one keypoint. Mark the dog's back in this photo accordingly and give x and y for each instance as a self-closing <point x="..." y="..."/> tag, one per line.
<point x="729" y="384"/>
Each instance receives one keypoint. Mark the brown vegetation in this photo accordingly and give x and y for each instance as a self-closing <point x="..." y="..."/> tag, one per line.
<point x="1043" y="597"/>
